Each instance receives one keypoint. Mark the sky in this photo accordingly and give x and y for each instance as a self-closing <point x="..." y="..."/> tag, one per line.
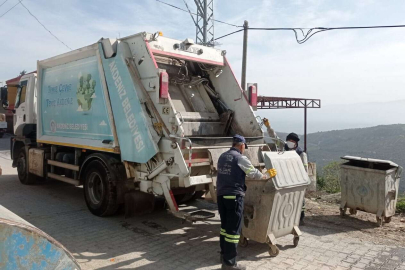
<point x="339" y="67"/>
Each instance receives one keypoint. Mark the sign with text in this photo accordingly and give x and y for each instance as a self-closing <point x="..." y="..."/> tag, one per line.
<point x="72" y="101"/>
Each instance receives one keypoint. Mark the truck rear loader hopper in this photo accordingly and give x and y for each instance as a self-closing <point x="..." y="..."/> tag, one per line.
<point x="131" y="119"/>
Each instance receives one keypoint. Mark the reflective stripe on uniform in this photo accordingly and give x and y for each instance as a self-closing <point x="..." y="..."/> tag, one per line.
<point x="233" y="236"/>
<point x="229" y="197"/>
<point x="232" y="241"/>
<point x="222" y="232"/>
<point x="250" y="169"/>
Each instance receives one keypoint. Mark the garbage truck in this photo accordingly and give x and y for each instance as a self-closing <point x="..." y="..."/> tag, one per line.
<point x="131" y="119"/>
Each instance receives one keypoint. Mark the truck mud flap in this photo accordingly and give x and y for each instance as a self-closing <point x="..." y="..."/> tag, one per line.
<point x="137" y="202"/>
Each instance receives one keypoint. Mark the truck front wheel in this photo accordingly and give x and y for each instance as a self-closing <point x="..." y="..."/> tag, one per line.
<point x="25" y="177"/>
<point x="100" y="191"/>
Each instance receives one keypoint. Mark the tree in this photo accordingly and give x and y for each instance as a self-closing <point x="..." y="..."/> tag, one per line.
<point x="22" y="73"/>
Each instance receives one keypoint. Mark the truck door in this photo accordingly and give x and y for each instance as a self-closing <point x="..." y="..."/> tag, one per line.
<point x="20" y="114"/>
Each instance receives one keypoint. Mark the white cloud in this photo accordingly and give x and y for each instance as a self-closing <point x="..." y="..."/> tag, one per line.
<point x="336" y="66"/>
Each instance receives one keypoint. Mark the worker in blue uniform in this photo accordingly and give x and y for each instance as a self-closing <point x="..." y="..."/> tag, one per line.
<point x="233" y="167"/>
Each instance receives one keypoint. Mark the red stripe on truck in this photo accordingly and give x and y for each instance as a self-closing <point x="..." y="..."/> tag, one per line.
<point x="173" y="200"/>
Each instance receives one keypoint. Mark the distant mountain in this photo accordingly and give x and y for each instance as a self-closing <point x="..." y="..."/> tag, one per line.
<point x="381" y="142"/>
<point x="336" y="117"/>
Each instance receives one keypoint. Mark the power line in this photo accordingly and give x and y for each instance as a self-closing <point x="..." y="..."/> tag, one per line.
<point x="3" y="3"/>
<point x="313" y="31"/>
<point x="173" y="6"/>
<point x="20" y="1"/>
<point x="230" y="34"/>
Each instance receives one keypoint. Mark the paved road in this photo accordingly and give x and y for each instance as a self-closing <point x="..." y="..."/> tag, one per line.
<point x="161" y="241"/>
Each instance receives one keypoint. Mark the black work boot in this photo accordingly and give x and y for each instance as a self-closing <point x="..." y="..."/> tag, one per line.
<point x="232" y="267"/>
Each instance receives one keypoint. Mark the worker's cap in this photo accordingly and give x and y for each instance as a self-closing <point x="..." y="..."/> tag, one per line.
<point x="293" y="136"/>
<point x="239" y="139"/>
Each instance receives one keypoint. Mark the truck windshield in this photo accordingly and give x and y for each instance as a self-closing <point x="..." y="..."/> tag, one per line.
<point x="20" y="98"/>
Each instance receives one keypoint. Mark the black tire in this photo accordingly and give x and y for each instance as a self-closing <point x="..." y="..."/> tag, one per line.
<point x="183" y="198"/>
<point x="25" y="177"/>
<point x="188" y="197"/>
<point x="100" y="191"/>
<point x="198" y="195"/>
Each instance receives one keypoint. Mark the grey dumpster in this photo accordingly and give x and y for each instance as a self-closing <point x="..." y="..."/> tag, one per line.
<point x="273" y="207"/>
<point x="370" y="185"/>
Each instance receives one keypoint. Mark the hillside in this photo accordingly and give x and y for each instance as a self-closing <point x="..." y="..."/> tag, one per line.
<point x="381" y="142"/>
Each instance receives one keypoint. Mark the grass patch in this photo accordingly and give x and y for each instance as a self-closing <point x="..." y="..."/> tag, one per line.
<point x="401" y="204"/>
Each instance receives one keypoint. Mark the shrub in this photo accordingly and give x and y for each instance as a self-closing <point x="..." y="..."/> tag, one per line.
<point x="401" y="204"/>
<point x="329" y="179"/>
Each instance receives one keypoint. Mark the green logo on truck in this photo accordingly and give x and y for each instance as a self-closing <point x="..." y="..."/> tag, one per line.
<point x="85" y="92"/>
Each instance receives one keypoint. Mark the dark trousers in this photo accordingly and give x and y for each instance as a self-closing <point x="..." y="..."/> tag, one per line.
<point x="231" y="212"/>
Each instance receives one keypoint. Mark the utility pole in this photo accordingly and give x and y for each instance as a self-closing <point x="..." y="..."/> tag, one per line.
<point x="305" y="127"/>
<point x="204" y="22"/>
<point x="244" y="57"/>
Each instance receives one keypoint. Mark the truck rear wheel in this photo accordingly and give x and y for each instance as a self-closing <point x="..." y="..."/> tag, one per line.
<point x="100" y="191"/>
<point x="25" y="177"/>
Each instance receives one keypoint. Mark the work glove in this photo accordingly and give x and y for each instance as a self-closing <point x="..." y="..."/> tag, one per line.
<point x="270" y="174"/>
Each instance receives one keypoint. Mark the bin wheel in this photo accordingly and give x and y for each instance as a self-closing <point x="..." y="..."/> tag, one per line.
<point x="243" y="242"/>
<point x="387" y="219"/>
<point x="353" y="211"/>
<point x="342" y="212"/>
<point x="274" y="250"/>
<point x="379" y="221"/>
<point x="296" y="240"/>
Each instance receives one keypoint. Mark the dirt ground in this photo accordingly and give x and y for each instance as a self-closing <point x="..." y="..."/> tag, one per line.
<point x="323" y="210"/>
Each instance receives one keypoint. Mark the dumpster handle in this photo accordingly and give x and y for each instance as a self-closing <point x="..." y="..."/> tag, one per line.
<point x="399" y="172"/>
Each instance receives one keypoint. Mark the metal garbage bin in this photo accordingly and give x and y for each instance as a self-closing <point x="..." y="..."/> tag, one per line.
<point x="273" y="207"/>
<point x="369" y="185"/>
<point x="23" y="246"/>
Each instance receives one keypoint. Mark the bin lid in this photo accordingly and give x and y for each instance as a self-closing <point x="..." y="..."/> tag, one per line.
<point x="371" y="160"/>
<point x="290" y="170"/>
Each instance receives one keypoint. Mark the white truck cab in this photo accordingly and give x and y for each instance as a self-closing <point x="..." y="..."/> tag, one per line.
<point x="25" y="116"/>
